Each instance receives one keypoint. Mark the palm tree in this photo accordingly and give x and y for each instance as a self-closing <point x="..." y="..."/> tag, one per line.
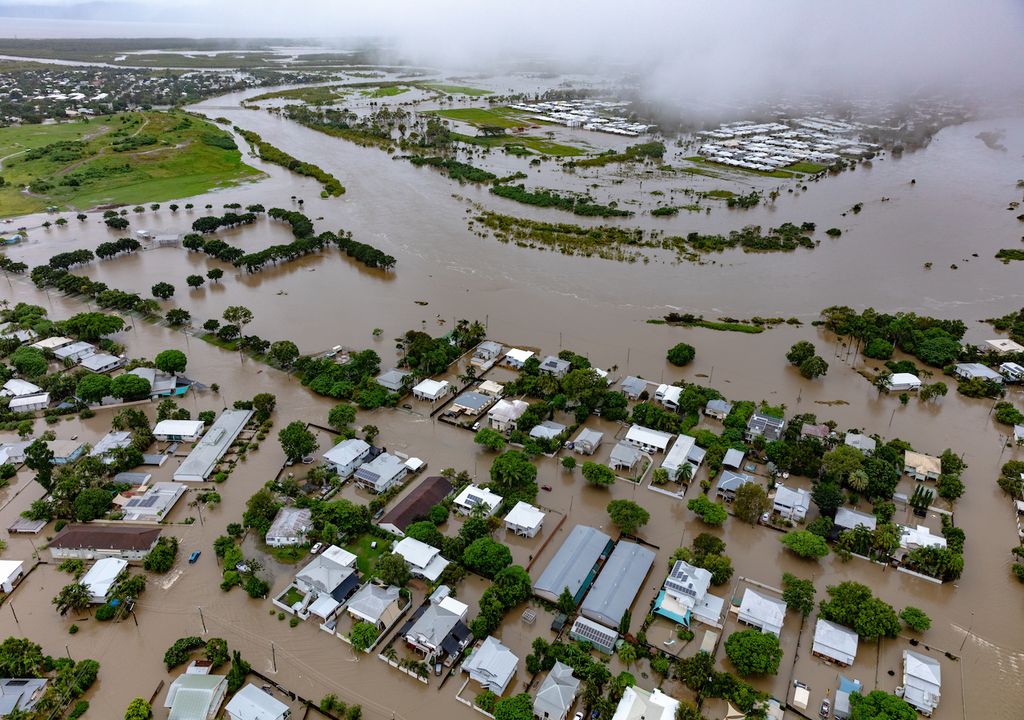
<point x="684" y="473"/>
<point x="74" y="597"/>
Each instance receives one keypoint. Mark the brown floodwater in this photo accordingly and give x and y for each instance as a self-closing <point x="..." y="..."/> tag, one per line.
<point x="598" y="308"/>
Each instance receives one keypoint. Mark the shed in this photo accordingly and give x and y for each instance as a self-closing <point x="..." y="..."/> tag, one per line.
<point x="618" y="583"/>
<point x="574" y="565"/>
<point x="733" y="458"/>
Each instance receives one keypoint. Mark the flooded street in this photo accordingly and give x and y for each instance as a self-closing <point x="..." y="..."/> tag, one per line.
<point x="597" y="308"/>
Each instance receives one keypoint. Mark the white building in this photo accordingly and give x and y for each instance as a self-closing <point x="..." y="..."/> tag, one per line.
<point x="547" y="430"/>
<point x="765" y="613"/>
<point x="920" y="466"/>
<point x="922" y="681"/>
<point x="153" y="503"/>
<point x="289" y="527"/>
<point x="834" y="643"/>
<point x="19" y="388"/>
<point x="903" y="382"/>
<point x="473" y="496"/>
<point x="524" y="519"/>
<point x="424" y="560"/>
<point x="29" y="403"/>
<point x="101" y="578"/>
<point x="516" y="358"/>
<point x="381" y="473"/>
<point x="251" y="703"/>
<point x="74" y="352"/>
<point x="101" y="362"/>
<point x="588" y="441"/>
<point x="556" y="694"/>
<point x="912" y="538"/>
<point x="211" y="448"/>
<point x="492" y="665"/>
<point x="178" y="430"/>
<point x="11" y="572"/>
<point x="52" y="343"/>
<point x="668" y="396"/>
<point x="684" y="452"/>
<point x="346" y="456"/>
<point x="861" y="442"/>
<point x="648" y="440"/>
<point x="432" y="390"/>
<point x="1005" y="345"/>
<point x="503" y="416"/>
<point x="791" y="503"/>
<point x="640" y="704"/>
<point x="196" y="696"/>
<point x="485" y="353"/>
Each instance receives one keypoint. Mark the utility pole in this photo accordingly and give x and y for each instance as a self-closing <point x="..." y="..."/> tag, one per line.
<point x="202" y="620"/>
<point x="273" y="656"/>
<point x="14" y="614"/>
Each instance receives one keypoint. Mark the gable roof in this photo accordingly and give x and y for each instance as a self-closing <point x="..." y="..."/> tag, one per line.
<point x="835" y="641"/>
<point x="251" y="703"/>
<point x="105" y="537"/>
<point x="557" y="692"/>
<point x="573" y="562"/>
<point x="619" y="582"/>
<point x="417" y="503"/>
<point x="371" y="601"/>
<point x="757" y="609"/>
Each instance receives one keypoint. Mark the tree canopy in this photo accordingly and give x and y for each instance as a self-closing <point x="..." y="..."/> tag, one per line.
<point x="880" y="705"/>
<point x="805" y="544"/>
<point x="753" y="652"/>
<point x="171" y="361"/>
<point x="627" y="516"/>
<point x="852" y="604"/>
<point x="297" y="441"/>
<point x="681" y="354"/>
<point x="597" y="474"/>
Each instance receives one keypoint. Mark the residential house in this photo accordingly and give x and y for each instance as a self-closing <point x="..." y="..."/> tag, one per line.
<point x="394" y="379"/>
<point x="524" y="519"/>
<point x="555" y="367"/>
<point x="516" y="358"/>
<point x="101" y="578"/>
<point x="587" y="441"/>
<point x="491" y="389"/>
<point x="416" y="505"/>
<point x="976" y="371"/>
<point x="470" y="403"/>
<point x="841" y="709"/>
<point x="505" y="413"/>
<point x="11" y="571"/>
<point x="22" y="336"/>
<point x="290" y="526"/>
<point x="640" y="704"/>
<point x="161" y="384"/>
<point x="920" y="466"/>
<point x="431" y="390"/>
<point x="178" y="430"/>
<point x="547" y="430"/>
<point x="624" y="457"/>
<point x="20" y="694"/>
<point x="684" y="595"/>
<point x="633" y="387"/>
<point x="733" y="458"/>
<point x="150" y="504"/>
<point x="729" y="482"/>
<point x="903" y="382"/>
<point x="821" y="431"/>
<point x="424" y="560"/>
<point x="435" y="623"/>
<point x="668" y="396"/>
<point x="381" y="473"/>
<point x="65" y="451"/>
<point x="912" y="538"/>
<point x="1004" y="346"/>
<point x="102" y="362"/>
<point x="647" y="440"/>
<point x="556" y="694"/>
<point x="492" y="665"/>
<point x="378" y="605"/>
<point x="211" y="448"/>
<point x="327" y="581"/>
<point x="52" y="343"/>
<point x="1012" y="372"/>
<point x="74" y="352"/>
<point x="251" y="703"/>
<point x="599" y="636"/>
<point x="486" y="353"/>
<point x="29" y="403"/>
<point x="767" y="426"/>
<point x="196" y="696"/>
<point x="618" y="583"/>
<point x="105" y="446"/>
<point x="848" y="518"/>
<point x="684" y="453"/>
<point x="574" y="565"/>
<point x="760" y="611"/>
<point x="473" y="496"/>
<point x="922" y="681"/>
<point x="861" y="442"/>
<point x="834" y="643"/>
<point x="791" y="503"/>
<point x="92" y="541"/>
<point x="19" y="388"/>
<point x="718" y="409"/>
<point x="346" y="456"/>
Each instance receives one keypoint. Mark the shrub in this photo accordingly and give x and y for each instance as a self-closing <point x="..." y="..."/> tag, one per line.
<point x="681" y="354"/>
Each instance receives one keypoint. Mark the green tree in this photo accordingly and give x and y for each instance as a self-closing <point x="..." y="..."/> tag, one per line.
<point x="73" y="597"/>
<point x="171" y="361"/>
<point x="837" y="465"/>
<point x="39" y="457"/>
<point x="176" y="317"/>
<point x="215" y="274"/>
<point x="597" y="474"/>
<point x="688" y="711"/>
<point x="828" y="497"/>
<point x="138" y="709"/>
<point x="363" y="635"/>
<point x="91" y="503"/>
<point x="21" y="658"/>
<point x="805" y="544"/>
<point x="681" y="354"/>
<point x="29" y="362"/>
<point x="852" y="604"/>
<point x="627" y="516"/>
<point x="753" y="652"/>
<point x="341" y="416"/>
<point x="129" y="387"/>
<point x="880" y="705"/>
<point x="263" y="404"/>
<point x="161" y="558"/>
<point x="490" y="439"/>
<point x="284" y="353"/>
<point x="566" y="602"/>
<point x="297" y="441"/>
<point x="93" y="387"/>
<point x="238" y="315"/>
<point x="513" y="473"/>
<point x="800" y="352"/>
<point x="710" y="512"/>
<point x="217" y="651"/>
<point x="393" y="570"/>
<point x="751" y="502"/>
<point x="91" y="326"/>
<point x="163" y="290"/>
<point x="627" y="653"/>
<point x="798" y="593"/>
<point x="238" y="672"/>
<point x="569" y="463"/>
<point x="813" y="367"/>
<point x="915" y="619"/>
<point x="486" y="557"/>
<point x="426" y="532"/>
<point x="195" y="281"/>
<point x="260" y="510"/>
<point x="517" y="707"/>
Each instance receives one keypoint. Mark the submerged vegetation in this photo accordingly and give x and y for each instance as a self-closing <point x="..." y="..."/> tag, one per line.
<point x="633" y="153"/>
<point x="332" y="186"/>
<point x="460" y="171"/>
<point x="576" y="204"/>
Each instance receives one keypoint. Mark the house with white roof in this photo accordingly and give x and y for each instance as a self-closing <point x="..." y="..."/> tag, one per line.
<point x="912" y="538"/>
<point x="848" y="518"/>
<point x="196" y="695"/>
<point x="762" y="425"/>
<point x="624" y="457"/>
<point x="106" y="445"/>
<point x="733" y="458"/>
<point x="101" y="362"/>
<point x="74" y="352"/>
<point x="554" y="366"/>
<point x="251" y="703"/>
<point x="516" y="358"/>
<point x="376" y="604"/>
<point x="976" y="371"/>
<point x="393" y="380"/>
<point x="492" y="665"/>
<point x="1012" y="372"/>
<point x="587" y="441"/>
<point x="431" y="390"/>
<point x="424" y="560"/>
<point x="729" y="482"/>
<point x="52" y="343"/>
<point x="381" y="473"/>
<point x="19" y="388"/>
<point x="647" y="440"/>
<point x="861" y="442"/>
<point x="668" y="396"/>
<point x="473" y="496"/>
<point x="718" y="409"/>
<point x="524" y="519"/>
<point x="684" y="596"/>
<point x="762" y="612"/>
<point x="178" y="430"/>
<point x="11" y="571"/>
<point x="633" y="387"/>
<point x="903" y="382"/>
<point x="834" y="643"/>
<point x="505" y="413"/>
<point x="1005" y="345"/>
<point x="556" y="694"/>
<point x="438" y="627"/>
<point x="920" y="466"/>
<point x="491" y="389"/>
<point x="640" y="704"/>
<point x="346" y="456"/>
<point x="29" y="403"/>
<point x="922" y="681"/>
<point x="791" y="503"/>
<point x="101" y="578"/>
<point x="485" y="353"/>
<point x="684" y="453"/>
<point x="547" y="430"/>
<point x="153" y="503"/>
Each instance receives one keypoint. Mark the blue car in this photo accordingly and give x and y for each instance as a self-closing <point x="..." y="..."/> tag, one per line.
<point x="193" y="557"/>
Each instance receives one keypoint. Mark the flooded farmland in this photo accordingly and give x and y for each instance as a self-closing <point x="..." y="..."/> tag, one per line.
<point x="598" y="308"/>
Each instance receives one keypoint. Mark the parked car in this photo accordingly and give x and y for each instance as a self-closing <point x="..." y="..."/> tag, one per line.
<point x="578" y="715"/>
<point x="242" y="567"/>
<point x="826" y="707"/>
<point x="546" y="487"/>
<point x="308" y="460"/>
<point x="194" y="556"/>
<point x="317" y="548"/>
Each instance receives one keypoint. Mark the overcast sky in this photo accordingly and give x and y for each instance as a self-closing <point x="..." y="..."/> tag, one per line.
<point x="720" y="49"/>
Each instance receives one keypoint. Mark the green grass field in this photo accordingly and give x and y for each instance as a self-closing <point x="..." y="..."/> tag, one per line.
<point x="366" y="556"/>
<point x="455" y="89"/>
<point x="790" y="171"/>
<point x="389" y="91"/>
<point x="496" y="117"/>
<point x="316" y="95"/>
<point x="539" y="145"/>
<point x="132" y="158"/>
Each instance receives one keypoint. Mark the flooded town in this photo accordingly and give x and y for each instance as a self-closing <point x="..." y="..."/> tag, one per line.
<point x="351" y="379"/>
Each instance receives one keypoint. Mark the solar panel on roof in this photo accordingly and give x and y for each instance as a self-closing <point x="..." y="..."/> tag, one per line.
<point x="594" y="633"/>
<point x="368" y="475"/>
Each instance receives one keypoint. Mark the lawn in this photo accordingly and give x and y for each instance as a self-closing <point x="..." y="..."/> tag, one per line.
<point x="288" y="554"/>
<point x="128" y="159"/>
<point x="498" y="117"/>
<point x="366" y="556"/>
<point x="456" y="89"/>
<point x="388" y="91"/>
<point x="773" y="173"/>
<point x="293" y="596"/>
<point x="540" y="145"/>
<point x="315" y="95"/>
<point x="806" y="167"/>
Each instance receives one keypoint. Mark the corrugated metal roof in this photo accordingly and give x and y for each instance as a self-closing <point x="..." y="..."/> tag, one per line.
<point x="619" y="582"/>
<point x="573" y="562"/>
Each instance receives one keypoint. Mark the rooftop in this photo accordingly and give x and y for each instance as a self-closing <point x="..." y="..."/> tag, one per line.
<point x="507" y="410"/>
<point x="848" y="518"/>
<point x="346" y="452"/>
<point x="105" y="537"/>
<point x="524" y="515"/>
<point x="418" y="502"/>
<point x="212" y="446"/>
<point x="181" y="428"/>
<point x="646" y="436"/>
<point x="574" y="561"/>
<point x="835" y="641"/>
<point x="925" y="464"/>
<point x="371" y="600"/>
<point x="291" y="522"/>
<point x="473" y="401"/>
<point x="473" y="495"/>
<point x="616" y="587"/>
<point x="251" y="703"/>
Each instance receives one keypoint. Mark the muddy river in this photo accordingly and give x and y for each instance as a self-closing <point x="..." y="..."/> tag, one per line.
<point x="956" y="207"/>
